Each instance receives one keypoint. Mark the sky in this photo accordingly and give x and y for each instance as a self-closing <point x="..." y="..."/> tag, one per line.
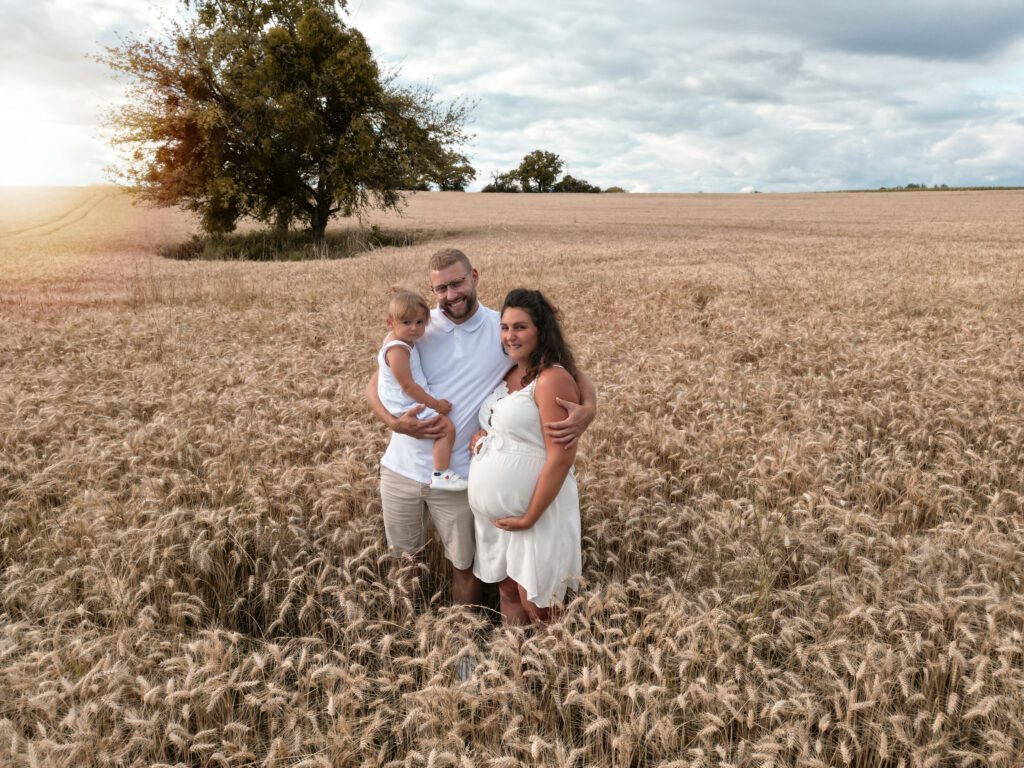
<point x="653" y="95"/>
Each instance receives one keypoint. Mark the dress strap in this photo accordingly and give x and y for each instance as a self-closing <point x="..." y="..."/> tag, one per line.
<point x="531" y="389"/>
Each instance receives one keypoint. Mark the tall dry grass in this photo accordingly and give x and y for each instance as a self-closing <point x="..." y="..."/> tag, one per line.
<point x="802" y="499"/>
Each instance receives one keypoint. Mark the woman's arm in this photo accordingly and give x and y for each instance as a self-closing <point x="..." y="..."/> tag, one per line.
<point x="398" y="362"/>
<point x="553" y="385"/>
<point x="567" y="430"/>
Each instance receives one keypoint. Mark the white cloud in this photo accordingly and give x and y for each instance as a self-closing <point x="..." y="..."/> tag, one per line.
<point x="657" y="96"/>
<point x="720" y="96"/>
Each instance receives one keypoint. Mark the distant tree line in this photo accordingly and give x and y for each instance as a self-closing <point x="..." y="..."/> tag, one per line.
<point x="915" y="186"/>
<point x="538" y="172"/>
<point x="933" y="188"/>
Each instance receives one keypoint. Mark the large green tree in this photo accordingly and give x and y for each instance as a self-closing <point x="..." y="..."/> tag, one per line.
<point x="539" y="170"/>
<point x="273" y="109"/>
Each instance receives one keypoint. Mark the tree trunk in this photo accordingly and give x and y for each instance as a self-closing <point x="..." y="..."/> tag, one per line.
<point x="320" y="239"/>
<point x="318" y="222"/>
<point x="282" y="221"/>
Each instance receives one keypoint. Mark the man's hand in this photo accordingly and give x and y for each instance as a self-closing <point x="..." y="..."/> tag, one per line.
<point x="479" y="435"/>
<point x="425" y="429"/>
<point x="567" y="431"/>
<point x="513" y="524"/>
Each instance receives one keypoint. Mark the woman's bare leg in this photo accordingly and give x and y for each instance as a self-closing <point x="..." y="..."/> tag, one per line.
<point x="513" y="614"/>
<point x="538" y="615"/>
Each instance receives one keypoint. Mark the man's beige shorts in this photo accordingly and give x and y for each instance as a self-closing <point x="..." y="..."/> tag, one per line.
<point x="406" y="504"/>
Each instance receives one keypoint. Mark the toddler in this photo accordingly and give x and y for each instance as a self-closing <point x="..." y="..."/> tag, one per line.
<point x="401" y="384"/>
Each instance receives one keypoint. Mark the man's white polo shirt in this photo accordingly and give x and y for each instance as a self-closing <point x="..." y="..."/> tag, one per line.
<point x="463" y="363"/>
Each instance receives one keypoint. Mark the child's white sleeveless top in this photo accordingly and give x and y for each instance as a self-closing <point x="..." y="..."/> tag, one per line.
<point x="390" y="391"/>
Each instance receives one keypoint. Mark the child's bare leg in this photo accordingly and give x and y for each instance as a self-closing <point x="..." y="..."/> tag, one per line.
<point x="443" y="446"/>
<point x="445" y="478"/>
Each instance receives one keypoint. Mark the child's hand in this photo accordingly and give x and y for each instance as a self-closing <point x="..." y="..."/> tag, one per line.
<point x="443" y="406"/>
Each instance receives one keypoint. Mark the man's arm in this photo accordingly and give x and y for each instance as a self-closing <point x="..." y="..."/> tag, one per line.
<point x="568" y="431"/>
<point x="407" y="423"/>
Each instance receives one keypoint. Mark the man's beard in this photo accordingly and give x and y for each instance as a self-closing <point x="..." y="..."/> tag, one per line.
<point x="466" y="309"/>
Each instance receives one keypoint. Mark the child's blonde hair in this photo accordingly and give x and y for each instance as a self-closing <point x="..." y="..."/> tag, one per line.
<point x="407" y="305"/>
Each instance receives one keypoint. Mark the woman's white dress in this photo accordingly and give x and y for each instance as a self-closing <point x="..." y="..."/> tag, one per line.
<point x="545" y="559"/>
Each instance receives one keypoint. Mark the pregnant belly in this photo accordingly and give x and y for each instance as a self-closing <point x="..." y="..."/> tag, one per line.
<point x="501" y="484"/>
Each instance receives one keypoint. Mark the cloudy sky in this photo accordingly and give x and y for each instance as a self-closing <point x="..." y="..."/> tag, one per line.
<point x="653" y="95"/>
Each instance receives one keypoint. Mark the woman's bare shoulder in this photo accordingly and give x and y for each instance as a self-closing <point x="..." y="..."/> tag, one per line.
<point x="558" y="382"/>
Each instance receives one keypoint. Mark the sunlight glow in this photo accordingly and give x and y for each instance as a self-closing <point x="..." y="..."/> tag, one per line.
<point x="39" y="145"/>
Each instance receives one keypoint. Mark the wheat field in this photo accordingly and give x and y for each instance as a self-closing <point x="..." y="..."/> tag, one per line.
<point x="802" y="499"/>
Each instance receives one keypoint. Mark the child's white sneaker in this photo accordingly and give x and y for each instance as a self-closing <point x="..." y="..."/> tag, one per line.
<point x="449" y="480"/>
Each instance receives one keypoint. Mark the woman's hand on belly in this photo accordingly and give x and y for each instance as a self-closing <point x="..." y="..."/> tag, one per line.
<point x="479" y="435"/>
<point x="514" y="523"/>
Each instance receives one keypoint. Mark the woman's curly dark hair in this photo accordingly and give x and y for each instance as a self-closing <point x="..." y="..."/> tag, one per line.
<point x="552" y="348"/>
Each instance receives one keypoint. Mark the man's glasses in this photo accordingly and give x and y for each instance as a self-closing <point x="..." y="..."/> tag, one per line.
<point x="442" y="289"/>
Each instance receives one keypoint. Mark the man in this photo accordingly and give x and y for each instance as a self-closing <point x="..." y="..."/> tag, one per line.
<point x="463" y="361"/>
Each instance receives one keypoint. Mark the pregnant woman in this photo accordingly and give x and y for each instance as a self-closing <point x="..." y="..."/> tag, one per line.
<point x="521" y="487"/>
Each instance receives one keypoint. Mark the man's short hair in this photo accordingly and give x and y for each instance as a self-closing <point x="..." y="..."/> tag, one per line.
<point x="446" y="257"/>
